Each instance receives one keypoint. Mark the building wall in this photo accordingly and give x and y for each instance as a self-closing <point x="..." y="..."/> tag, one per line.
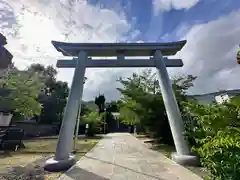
<point x="222" y="98"/>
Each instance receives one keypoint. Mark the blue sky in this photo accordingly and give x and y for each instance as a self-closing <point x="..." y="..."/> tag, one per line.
<point x="211" y="28"/>
<point x="153" y="26"/>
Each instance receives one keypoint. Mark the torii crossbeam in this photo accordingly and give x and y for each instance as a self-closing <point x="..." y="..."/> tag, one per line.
<point x="84" y="55"/>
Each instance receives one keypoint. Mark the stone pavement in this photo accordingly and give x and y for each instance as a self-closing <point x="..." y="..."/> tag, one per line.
<point x="120" y="156"/>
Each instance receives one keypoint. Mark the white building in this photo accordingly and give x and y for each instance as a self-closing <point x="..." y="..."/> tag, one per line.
<point x="219" y="96"/>
<point x="222" y="98"/>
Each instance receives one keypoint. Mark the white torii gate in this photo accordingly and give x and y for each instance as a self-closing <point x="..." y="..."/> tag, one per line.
<point x="83" y="53"/>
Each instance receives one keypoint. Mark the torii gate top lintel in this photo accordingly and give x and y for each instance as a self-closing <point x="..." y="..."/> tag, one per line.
<point x="114" y="49"/>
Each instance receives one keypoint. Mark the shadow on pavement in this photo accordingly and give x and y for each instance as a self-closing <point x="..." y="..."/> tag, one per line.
<point x="77" y="173"/>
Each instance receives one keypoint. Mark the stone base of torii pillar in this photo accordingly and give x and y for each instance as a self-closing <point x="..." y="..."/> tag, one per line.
<point x="54" y="165"/>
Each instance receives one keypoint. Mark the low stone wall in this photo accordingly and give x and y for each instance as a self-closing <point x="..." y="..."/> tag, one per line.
<point x="33" y="129"/>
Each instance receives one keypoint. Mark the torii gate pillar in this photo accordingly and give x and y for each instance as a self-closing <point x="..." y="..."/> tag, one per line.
<point x="63" y="158"/>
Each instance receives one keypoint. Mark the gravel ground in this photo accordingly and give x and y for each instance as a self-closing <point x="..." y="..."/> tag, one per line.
<point x="32" y="171"/>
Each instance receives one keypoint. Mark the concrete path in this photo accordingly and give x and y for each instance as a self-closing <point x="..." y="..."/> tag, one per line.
<point x="123" y="157"/>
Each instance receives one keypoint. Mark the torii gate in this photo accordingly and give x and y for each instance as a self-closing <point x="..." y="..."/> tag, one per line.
<point x="83" y="53"/>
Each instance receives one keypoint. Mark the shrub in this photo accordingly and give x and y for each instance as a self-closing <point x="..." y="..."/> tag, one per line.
<point x="215" y="130"/>
<point x="94" y="120"/>
<point x="221" y="156"/>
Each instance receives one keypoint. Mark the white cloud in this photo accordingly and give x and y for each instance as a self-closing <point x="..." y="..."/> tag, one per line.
<point x="166" y="5"/>
<point x="210" y="54"/>
<point x="31" y="25"/>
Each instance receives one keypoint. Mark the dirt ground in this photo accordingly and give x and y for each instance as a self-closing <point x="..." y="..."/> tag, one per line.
<point x="27" y="163"/>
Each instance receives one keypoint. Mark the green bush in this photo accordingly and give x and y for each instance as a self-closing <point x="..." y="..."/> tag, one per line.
<point x="94" y="120"/>
<point x="220" y="154"/>
<point x="215" y="130"/>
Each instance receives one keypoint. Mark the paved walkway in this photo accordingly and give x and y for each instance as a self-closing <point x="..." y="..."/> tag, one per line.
<point x="123" y="157"/>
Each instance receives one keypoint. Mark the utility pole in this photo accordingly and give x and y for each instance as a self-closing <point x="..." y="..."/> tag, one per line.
<point x="77" y="130"/>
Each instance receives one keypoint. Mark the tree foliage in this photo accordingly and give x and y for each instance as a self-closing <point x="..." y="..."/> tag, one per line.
<point x="54" y="96"/>
<point x="113" y="106"/>
<point x="143" y="104"/>
<point x="100" y="102"/>
<point x="128" y="113"/>
<point x="94" y="121"/>
<point x="181" y="84"/>
<point x="24" y="88"/>
<point x="84" y="109"/>
<point x="215" y="129"/>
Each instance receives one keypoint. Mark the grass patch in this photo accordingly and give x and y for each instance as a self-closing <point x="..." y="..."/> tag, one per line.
<point x="28" y="162"/>
<point x="165" y="149"/>
<point x="49" y="146"/>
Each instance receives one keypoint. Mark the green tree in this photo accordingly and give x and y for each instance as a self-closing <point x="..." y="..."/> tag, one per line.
<point x="94" y="121"/>
<point x="216" y="131"/>
<point x="54" y="103"/>
<point x="54" y="96"/>
<point x="24" y="87"/>
<point x="128" y="113"/>
<point x="113" y="106"/>
<point x="142" y="102"/>
<point x="100" y="102"/>
<point x="181" y="84"/>
<point x="84" y="109"/>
